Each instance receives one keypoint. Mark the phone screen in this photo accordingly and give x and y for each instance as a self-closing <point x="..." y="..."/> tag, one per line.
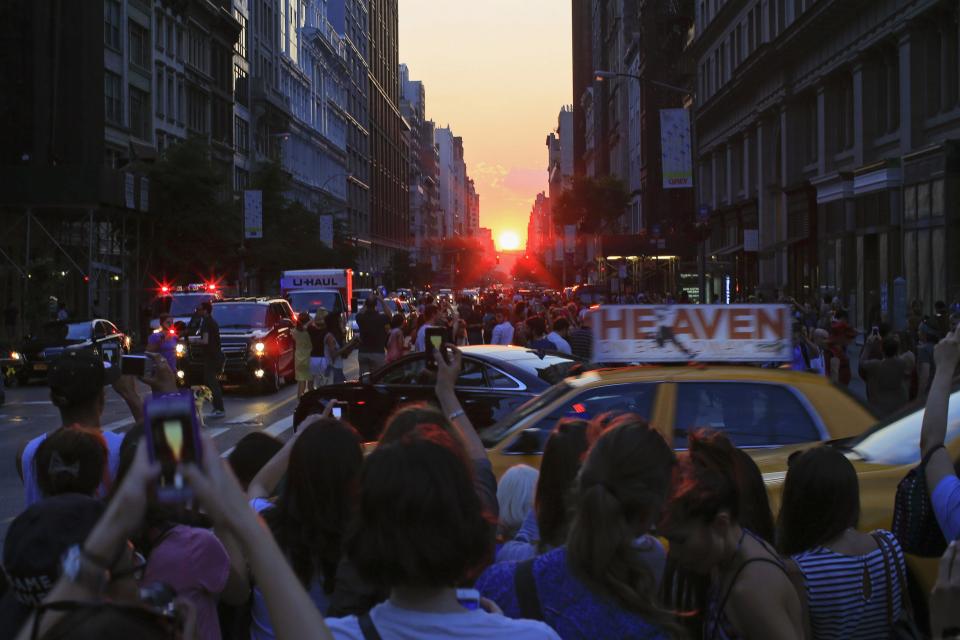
<point x="337" y="412"/>
<point x="469" y="598"/>
<point x="434" y="338"/>
<point x="173" y="444"/>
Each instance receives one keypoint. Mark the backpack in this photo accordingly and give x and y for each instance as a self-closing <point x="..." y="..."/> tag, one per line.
<point x="914" y="521"/>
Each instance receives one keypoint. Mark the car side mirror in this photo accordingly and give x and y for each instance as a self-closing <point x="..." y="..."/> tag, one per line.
<point x="286" y="323"/>
<point x="354" y="305"/>
<point x="528" y="442"/>
<point x="365" y="378"/>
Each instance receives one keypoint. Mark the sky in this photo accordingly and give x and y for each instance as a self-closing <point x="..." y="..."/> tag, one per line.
<point x="496" y="71"/>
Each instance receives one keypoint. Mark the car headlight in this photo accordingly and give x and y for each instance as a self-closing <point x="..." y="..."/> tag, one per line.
<point x="14" y="355"/>
<point x="181" y="349"/>
<point x="259" y="348"/>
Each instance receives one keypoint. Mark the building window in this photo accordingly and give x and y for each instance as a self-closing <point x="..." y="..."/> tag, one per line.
<point x="241" y="46"/>
<point x="808" y="116"/>
<point x="241" y="86"/>
<point x="241" y="179"/>
<point x="159" y="90"/>
<point x="887" y="84"/>
<point x="181" y="101"/>
<point x="197" y="106"/>
<point x="170" y="47"/>
<point x="180" y="43"/>
<point x="139" y="113"/>
<point x="112" y="98"/>
<point x="139" y="40"/>
<point x="171" y="98"/>
<point x="111" y="24"/>
<point x="241" y="135"/>
<point x="843" y="110"/>
<point x="158" y="30"/>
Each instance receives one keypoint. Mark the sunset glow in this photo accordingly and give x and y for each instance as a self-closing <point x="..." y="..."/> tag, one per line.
<point x="508" y="241"/>
<point x="497" y="72"/>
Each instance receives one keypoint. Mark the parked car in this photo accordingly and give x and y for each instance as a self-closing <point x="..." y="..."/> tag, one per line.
<point x="45" y="346"/>
<point x="495" y="381"/>
<point x="758" y="409"/>
<point x="256" y="343"/>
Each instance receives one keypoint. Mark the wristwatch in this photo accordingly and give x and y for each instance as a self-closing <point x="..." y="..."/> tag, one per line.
<point x="456" y="414"/>
<point x="80" y="569"/>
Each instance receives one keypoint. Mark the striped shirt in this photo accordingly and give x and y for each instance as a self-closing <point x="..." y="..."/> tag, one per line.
<point x="847" y="595"/>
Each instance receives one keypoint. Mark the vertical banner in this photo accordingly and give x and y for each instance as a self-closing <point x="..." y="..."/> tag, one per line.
<point x="252" y="214"/>
<point x="144" y="194"/>
<point x="675" y="149"/>
<point x="326" y="230"/>
<point x="129" y="191"/>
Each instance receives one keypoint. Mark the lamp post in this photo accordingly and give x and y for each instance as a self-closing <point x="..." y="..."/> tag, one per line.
<point x="600" y="75"/>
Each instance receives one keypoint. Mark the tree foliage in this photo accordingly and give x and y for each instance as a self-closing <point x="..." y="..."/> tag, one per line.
<point x="593" y="204"/>
<point x="192" y="228"/>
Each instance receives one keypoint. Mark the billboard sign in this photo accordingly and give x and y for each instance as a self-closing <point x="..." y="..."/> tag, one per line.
<point x="252" y="214"/>
<point x="692" y="332"/>
<point x="675" y="149"/>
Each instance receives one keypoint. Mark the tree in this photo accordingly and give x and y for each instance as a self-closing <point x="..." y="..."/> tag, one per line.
<point x="192" y="227"/>
<point x="593" y="204"/>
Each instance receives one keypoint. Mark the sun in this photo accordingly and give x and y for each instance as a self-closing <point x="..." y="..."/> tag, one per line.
<point x="509" y="241"/>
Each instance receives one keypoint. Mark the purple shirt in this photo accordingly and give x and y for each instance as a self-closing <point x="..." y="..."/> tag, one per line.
<point x="195" y="564"/>
<point x="946" y="506"/>
<point x="166" y="346"/>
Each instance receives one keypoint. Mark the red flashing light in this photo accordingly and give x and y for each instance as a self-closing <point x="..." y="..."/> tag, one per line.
<point x="164" y="289"/>
<point x="86" y="278"/>
<point x="211" y="286"/>
<point x="579" y="408"/>
<point x="361" y="402"/>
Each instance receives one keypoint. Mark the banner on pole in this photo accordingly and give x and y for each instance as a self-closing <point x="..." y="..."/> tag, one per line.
<point x="252" y="214"/>
<point x="326" y="230"/>
<point x="570" y="238"/>
<point x="692" y="332"/>
<point x="675" y="149"/>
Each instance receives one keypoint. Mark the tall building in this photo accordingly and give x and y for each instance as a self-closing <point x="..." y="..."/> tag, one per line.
<point x="472" y="200"/>
<point x="389" y="159"/>
<point x="540" y="227"/>
<point x="424" y="172"/>
<point x="92" y="92"/>
<point x="312" y="76"/>
<point x="827" y="156"/>
<point x="351" y="20"/>
<point x="452" y="185"/>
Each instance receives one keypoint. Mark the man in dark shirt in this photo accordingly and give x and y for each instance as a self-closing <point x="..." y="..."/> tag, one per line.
<point x="581" y="338"/>
<point x="209" y="341"/>
<point x="374" y="328"/>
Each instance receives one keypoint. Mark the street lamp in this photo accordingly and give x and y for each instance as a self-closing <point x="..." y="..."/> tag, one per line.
<point x="600" y="75"/>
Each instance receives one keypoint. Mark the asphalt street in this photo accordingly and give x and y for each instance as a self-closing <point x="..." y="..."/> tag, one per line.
<point x="28" y="413"/>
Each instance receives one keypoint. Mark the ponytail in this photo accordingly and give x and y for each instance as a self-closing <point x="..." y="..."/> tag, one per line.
<point x="623" y="482"/>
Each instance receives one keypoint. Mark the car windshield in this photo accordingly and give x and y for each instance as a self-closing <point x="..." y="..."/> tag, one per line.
<point x="185" y="304"/>
<point x="240" y="315"/>
<point x="310" y="301"/>
<point x="56" y="331"/>
<point x="898" y="442"/>
<point x="495" y="433"/>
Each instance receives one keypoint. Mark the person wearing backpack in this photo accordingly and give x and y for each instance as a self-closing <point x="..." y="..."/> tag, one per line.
<point x="941" y="478"/>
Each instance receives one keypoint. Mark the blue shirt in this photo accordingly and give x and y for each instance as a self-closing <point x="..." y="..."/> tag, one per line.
<point x="31" y="490"/>
<point x="524" y="544"/>
<point x="568" y="606"/>
<point x="166" y="346"/>
<point x="946" y="506"/>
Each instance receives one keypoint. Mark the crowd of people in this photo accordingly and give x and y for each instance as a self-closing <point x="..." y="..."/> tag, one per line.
<point x="615" y="536"/>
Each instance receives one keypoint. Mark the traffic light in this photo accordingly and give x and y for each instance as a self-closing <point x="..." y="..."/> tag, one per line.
<point x="498" y="258"/>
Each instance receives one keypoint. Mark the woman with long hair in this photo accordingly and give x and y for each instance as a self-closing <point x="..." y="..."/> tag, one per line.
<point x="303" y="346"/>
<point x="308" y="518"/>
<point x="750" y="594"/>
<point x="336" y="348"/>
<point x="603" y="582"/>
<point x="850" y="577"/>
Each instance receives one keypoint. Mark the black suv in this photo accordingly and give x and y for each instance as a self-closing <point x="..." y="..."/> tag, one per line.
<point x="256" y="343"/>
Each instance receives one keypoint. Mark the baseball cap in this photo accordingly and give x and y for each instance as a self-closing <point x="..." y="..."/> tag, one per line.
<point x="76" y="376"/>
<point x="36" y="542"/>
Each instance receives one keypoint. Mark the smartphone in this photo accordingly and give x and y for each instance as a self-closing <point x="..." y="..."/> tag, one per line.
<point x="172" y="432"/>
<point x="434" y="339"/>
<point x="469" y="599"/>
<point x="337" y="412"/>
<point x="140" y="366"/>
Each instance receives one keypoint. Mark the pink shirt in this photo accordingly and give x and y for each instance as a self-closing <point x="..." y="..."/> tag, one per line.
<point x="195" y="564"/>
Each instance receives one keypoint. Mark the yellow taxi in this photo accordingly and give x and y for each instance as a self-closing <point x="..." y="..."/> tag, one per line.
<point x="882" y="457"/>
<point x="759" y="409"/>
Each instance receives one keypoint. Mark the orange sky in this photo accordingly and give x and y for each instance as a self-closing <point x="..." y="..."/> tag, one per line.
<point x="496" y="71"/>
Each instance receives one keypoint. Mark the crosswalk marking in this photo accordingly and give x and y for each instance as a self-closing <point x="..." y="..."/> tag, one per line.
<point x="117" y="424"/>
<point x="246" y="417"/>
<point x="280" y="426"/>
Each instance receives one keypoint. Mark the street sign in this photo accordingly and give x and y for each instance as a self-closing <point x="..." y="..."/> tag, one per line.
<point x="695" y="332"/>
<point x="751" y="239"/>
<point x="252" y="214"/>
